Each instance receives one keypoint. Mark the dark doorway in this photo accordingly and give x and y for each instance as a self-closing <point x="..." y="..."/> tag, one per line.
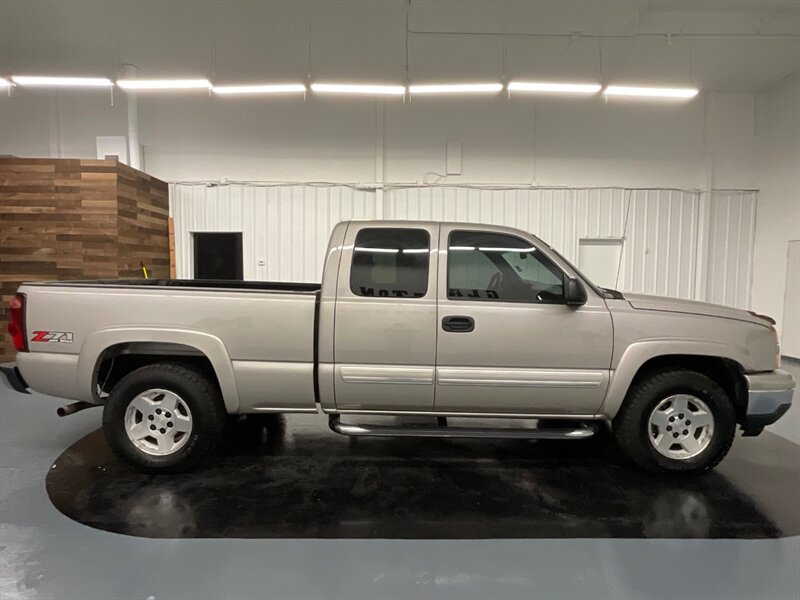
<point x="218" y="256"/>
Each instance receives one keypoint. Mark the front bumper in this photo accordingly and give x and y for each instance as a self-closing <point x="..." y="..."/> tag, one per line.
<point x="769" y="396"/>
<point x="14" y="377"/>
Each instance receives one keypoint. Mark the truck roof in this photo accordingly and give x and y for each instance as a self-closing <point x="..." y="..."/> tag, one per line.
<point x="464" y="224"/>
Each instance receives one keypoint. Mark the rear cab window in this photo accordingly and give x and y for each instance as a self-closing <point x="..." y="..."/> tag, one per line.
<point x="390" y="263"/>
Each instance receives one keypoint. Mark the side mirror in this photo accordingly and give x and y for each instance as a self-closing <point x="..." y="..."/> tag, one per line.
<point x="575" y="293"/>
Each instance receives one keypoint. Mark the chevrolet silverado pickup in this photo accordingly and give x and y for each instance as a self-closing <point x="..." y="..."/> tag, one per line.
<point x="443" y="320"/>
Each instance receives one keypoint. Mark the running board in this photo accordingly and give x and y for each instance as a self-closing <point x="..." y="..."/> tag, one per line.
<point x="581" y="432"/>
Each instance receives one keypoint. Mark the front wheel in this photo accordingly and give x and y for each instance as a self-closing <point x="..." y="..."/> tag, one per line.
<point x="163" y="418"/>
<point x="676" y="420"/>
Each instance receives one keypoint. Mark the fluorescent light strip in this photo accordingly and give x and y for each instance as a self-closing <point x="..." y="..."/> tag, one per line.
<point x="554" y="88"/>
<point x="46" y="81"/>
<point x="491" y="249"/>
<point x="346" y="88"/>
<point x="456" y="88"/>
<point x="5" y="83"/>
<point x="377" y="250"/>
<point x="392" y="250"/>
<point x="496" y="249"/>
<point x="164" y="84"/>
<point x="260" y="89"/>
<point x="650" y="92"/>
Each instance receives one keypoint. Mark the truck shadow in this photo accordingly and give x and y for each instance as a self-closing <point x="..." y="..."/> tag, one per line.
<point x="290" y="477"/>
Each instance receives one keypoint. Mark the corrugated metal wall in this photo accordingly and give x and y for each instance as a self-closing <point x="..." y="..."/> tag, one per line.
<point x="676" y="243"/>
<point x="285" y="227"/>
<point x="731" y="237"/>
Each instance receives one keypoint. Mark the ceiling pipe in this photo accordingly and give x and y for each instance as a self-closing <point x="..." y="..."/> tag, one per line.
<point x="134" y="148"/>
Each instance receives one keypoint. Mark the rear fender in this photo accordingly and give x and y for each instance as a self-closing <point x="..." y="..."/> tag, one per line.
<point x="210" y="346"/>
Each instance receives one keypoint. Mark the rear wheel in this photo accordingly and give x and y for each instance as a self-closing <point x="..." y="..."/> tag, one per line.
<point x="163" y="418"/>
<point x="676" y="420"/>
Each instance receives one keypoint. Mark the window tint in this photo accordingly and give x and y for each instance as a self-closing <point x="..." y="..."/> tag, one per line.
<point x="390" y="263"/>
<point x="500" y="268"/>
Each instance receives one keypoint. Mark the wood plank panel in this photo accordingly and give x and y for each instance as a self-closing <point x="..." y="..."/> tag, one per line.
<point x="77" y="219"/>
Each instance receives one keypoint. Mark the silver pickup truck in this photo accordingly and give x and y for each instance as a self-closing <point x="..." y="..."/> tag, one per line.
<point x="451" y="321"/>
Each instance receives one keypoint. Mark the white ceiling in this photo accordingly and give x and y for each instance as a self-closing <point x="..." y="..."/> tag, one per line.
<point x="715" y="45"/>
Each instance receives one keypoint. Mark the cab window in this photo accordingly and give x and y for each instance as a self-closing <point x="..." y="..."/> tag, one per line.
<point x="495" y="267"/>
<point x="390" y="262"/>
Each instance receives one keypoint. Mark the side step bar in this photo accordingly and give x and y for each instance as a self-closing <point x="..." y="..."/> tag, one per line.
<point x="581" y="432"/>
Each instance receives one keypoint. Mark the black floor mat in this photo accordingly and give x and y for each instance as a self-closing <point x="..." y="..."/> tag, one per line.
<point x="293" y="478"/>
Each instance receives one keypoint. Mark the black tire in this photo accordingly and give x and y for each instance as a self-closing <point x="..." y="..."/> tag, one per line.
<point x="202" y="398"/>
<point x="632" y="430"/>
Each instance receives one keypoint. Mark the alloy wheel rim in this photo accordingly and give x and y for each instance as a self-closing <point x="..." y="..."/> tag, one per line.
<point x="158" y="422"/>
<point x="681" y="426"/>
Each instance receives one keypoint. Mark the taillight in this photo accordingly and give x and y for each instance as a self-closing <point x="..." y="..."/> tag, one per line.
<point x="16" y="322"/>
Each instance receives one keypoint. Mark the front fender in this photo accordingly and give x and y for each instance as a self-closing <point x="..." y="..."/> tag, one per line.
<point x="210" y="346"/>
<point x="637" y="354"/>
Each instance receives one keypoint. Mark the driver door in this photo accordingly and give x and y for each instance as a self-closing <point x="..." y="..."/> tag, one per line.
<point x="508" y="343"/>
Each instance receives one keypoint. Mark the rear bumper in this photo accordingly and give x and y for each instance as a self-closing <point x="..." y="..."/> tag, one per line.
<point x="14" y="377"/>
<point x="769" y="396"/>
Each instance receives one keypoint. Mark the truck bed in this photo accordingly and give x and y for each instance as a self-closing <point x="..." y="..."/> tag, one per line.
<point x="259" y="336"/>
<point x="226" y="284"/>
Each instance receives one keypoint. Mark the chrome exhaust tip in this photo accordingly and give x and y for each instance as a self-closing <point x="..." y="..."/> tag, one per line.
<point x="71" y="409"/>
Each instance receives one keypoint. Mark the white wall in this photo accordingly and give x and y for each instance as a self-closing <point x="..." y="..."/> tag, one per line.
<point x="285" y="228"/>
<point x="552" y="142"/>
<point x="65" y="123"/>
<point x="704" y="143"/>
<point x="778" y="217"/>
<point x="707" y="143"/>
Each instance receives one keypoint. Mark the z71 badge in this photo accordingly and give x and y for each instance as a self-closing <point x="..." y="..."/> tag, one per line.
<point x="64" y="337"/>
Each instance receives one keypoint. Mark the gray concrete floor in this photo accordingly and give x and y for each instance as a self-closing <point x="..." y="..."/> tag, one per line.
<point x="43" y="554"/>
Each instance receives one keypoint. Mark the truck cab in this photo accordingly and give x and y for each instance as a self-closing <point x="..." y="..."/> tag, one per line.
<point x="459" y="319"/>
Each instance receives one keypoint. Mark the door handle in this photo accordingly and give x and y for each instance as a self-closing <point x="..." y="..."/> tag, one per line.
<point x="458" y="324"/>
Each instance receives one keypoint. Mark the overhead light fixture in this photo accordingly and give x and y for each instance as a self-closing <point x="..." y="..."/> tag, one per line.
<point x="501" y="249"/>
<point x="5" y="83"/>
<point x="650" y="92"/>
<point x="491" y="249"/>
<point x="346" y="88"/>
<point x="164" y="84"/>
<point x="46" y="81"/>
<point x="282" y="88"/>
<point x="377" y="250"/>
<point x="456" y="88"/>
<point x="554" y="88"/>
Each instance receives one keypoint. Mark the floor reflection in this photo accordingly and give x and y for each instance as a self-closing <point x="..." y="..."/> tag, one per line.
<point x="276" y="477"/>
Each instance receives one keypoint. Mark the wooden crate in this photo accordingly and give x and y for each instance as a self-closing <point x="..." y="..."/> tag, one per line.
<point x="66" y="219"/>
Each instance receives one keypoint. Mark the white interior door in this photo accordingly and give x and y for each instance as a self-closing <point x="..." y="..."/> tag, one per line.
<point x="790" y="335"/>
<point x="599" y="260"/>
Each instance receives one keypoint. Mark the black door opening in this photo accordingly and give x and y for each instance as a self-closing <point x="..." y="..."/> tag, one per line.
<point x="218" y="256"/>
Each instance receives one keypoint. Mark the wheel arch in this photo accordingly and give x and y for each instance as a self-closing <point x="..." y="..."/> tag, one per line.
<point x="639" y="362"/>
<point x="108" y="355"/>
